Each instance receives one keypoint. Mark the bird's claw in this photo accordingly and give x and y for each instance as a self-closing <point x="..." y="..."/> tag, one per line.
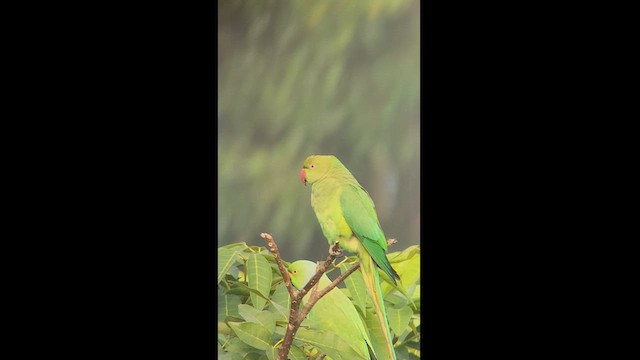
<point x="335" y="250"/>
<point x="340" y="263"/>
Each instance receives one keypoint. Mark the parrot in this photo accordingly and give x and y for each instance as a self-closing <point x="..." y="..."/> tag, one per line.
<point x="334" y="312"/>
<point x="347" y="215"/>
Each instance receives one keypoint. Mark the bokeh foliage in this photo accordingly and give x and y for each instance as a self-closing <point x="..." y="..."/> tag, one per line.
<point x="297" y="78"/>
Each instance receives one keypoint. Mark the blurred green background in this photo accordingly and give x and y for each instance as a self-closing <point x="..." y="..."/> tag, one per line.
<point x="297" y="78"/>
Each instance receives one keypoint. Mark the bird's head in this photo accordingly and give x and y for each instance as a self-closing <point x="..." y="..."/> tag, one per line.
<point x="301" y="272"/>
<point x="315" y="167"/>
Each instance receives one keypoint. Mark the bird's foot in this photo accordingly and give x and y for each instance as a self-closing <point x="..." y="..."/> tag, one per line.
<point x="340" y="263"/>
<point x="335" y="250"/>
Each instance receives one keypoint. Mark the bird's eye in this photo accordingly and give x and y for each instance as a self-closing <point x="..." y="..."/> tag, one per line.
<point x="312" y="166"/>
<point x="295" y="271"/>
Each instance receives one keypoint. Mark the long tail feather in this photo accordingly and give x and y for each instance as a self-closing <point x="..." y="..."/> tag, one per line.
<point x="372" y="282"/>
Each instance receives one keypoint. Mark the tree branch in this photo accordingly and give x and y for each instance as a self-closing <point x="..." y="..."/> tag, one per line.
<point x="317" y="295"/>
<point x="297" y="315"/>
<point x="320" y="270"/>
<point x="285" y="274"/>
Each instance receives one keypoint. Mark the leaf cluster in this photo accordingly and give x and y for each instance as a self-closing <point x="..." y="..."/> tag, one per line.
<point x="253" y="307"/>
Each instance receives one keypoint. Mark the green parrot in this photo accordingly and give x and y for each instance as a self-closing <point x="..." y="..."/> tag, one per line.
<point x="347" y="215"/>
<point x="334" y="312"/>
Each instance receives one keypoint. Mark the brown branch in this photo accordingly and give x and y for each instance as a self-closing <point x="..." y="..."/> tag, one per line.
<point x="317" y="295"/>
<point x="285" y="274"/>
<point x="293" y="325"/>
<point x="338" y="280"/>
<point x="297" y="315"/>
<point x="320" y="270"/>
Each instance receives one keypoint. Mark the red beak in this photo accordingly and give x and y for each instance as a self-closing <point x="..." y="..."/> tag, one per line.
<point x="303" y="177"/>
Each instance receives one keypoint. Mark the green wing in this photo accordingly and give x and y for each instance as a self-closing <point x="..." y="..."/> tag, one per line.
<point x="360" y="214"/>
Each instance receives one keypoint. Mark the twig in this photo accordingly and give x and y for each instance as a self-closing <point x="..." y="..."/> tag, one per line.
<point x="317" y="295"/>
<point x="320" y="270"/>
<point x="296" y="296"/>
<point x="338" y="280"/>
<point x="285" y="274"/>
<point x="296" y="315"/>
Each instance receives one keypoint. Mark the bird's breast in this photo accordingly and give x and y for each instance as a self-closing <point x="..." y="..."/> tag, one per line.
<point x="329" y="213"/>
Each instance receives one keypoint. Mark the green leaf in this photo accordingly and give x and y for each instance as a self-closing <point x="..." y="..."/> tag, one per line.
<point x="280" y="303"/>
<point x="239" y="288"/>
<point x="399" y="319"/>
<point x="412" y="333"/>
<point x="376" y="333"/>
<point x="272" y="353"/>
<point x="270" y="258"/>
<point x="226" y="258"/>
<point x="295" y="353"/>
<point x="256" y="248"/>
<point x="224" y="329"/>
<point x="249" y="313"/>
<point x="357" y="288"/>
<point x="281" y="313"/>
<point x="223" y="354"/>
<point x="396" y="300"/>
<point x="280" y="330"/>
<point x="409" y="271"/>
<point x="228" y="306"/>
<point x="268" y="320"/>
<point x="253" y="334"/>
<point x="235" y="246"/>
<point x="254" y="356"/>
<point x="264" y="318"/>
<point x="222" y="338"/>
<point x="413" y="345"/>
<point x="329" y="343"/>
<point x="403" y="255"/>
<point x="238" y="348"/>
<point x="259" y="278"/>
<point x="402" y="353"/>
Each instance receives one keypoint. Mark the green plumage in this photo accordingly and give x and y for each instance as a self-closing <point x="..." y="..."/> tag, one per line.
<point x="347" y="215"/>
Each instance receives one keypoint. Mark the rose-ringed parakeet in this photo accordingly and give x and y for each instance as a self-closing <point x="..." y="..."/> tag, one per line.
<point x="347" y="215"/>
<point x="334" y="312"/>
